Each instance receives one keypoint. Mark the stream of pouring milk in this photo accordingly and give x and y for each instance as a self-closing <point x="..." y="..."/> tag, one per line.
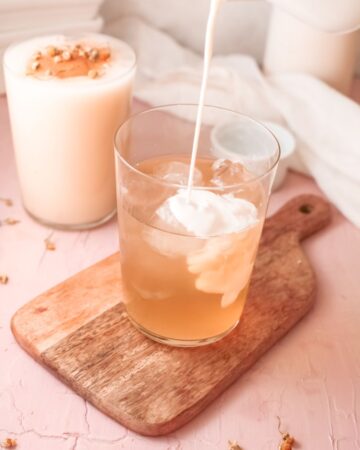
<point x="203" y="212"/>
<point x="208" y="50"/>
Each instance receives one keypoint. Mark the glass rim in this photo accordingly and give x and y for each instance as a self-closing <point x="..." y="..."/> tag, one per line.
<point x="199" y="188"/>
<point x="69" y="34"/>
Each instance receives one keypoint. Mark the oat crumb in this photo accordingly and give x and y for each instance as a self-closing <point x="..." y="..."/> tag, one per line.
<point x="93" y="73"/>
<point x="51" y="51"/>
<point x="233" y="445"/>
<point x="9" y="443"/>
<point x="6" y="201"/>
<point x="49" y="245"/>
<point x="4" y="279"/>
<point x="35" y="65"/>
<point x="10" y="221"/>
<point x="287" y="441"/>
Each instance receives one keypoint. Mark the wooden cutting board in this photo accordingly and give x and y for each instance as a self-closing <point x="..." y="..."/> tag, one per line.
<point x="80" y="331"/>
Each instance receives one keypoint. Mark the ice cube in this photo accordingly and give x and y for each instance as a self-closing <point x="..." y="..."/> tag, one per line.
<point x="224" y="264"/>
<point x="142" y="197"/>
<point x="166" y="237"/>
<point x="227" y="173"/>
<point x="177" y="172"/>
<point x="169" y="237"/>
<point x="151" y="294"/>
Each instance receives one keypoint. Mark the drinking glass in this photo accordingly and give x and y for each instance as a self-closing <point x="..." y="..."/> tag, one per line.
<point x="185" y="288"/>
<point x="63" y="128"/>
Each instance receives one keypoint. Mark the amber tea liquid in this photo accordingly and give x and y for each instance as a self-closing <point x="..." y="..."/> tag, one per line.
<point x="179" y="286"/>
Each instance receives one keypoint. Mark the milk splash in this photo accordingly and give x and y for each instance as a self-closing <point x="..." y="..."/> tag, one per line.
<point x="207" y="214"/>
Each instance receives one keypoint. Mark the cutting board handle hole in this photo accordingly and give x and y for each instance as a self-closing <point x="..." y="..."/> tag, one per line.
<point x="306" y="208"/>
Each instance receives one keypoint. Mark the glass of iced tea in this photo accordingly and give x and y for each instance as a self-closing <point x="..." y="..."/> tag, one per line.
<point x="187" y="254"/>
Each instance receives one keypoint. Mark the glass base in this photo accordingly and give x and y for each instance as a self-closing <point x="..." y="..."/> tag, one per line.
<point x="181" y="342"/>
<point x="73" y="227"/>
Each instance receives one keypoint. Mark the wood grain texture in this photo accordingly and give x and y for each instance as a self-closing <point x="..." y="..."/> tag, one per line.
<point x="64" y="308"/>
<point x="79" y="330"/>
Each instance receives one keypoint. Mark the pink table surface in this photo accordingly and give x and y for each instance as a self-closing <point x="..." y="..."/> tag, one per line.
<point x="311" y="379"/>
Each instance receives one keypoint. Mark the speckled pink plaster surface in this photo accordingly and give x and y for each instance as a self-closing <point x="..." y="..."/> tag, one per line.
<point x="311" y="379"/>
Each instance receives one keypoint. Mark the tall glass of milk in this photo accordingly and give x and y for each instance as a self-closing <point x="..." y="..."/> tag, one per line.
<point x="67" y="95"/>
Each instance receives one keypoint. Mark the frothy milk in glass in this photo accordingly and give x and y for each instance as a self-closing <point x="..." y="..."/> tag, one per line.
<point x="67" y="95"/>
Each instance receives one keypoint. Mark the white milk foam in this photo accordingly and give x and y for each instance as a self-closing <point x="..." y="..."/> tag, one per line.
<point x="121" y="62"/>
<point x="207" y="214"/>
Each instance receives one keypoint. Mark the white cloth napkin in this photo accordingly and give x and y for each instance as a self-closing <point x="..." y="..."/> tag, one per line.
<point x="326" y="123"/>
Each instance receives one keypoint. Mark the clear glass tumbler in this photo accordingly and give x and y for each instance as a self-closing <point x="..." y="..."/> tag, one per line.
<point x="187" y="285"/>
